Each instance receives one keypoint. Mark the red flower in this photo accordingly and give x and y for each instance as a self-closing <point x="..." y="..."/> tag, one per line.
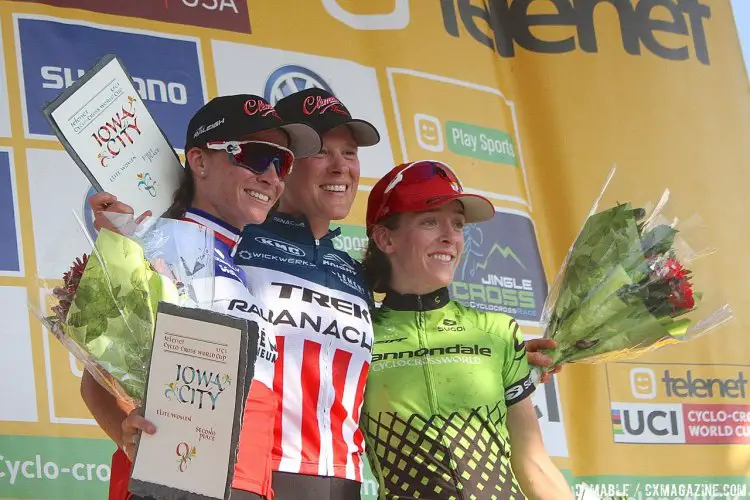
<point x="682" y="296"/>
<point x="673" y="270"/>
<point x="65" y="294"/>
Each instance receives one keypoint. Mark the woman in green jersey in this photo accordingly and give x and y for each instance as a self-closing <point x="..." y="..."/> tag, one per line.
<point x="447" y="396"/>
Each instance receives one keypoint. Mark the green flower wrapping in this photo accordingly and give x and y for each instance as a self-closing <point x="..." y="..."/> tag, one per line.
<point x="111" y="317"/>
<point x="622" y="291"/>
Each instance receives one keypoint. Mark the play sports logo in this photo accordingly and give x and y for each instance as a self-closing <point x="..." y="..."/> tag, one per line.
<point x="398" y="17"/>
<point x="465" y="139"/>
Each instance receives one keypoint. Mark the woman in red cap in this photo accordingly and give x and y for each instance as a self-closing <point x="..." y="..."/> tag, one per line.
<point x="447" y="397"/>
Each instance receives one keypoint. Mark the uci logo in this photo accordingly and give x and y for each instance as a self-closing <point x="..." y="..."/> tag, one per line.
<point x="280" y="245"/>
<point x="290" y="79"/>
<point x="397" y="19"/>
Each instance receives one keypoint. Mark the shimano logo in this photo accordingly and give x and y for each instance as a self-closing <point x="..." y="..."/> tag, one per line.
<point x="474" y="350"/>
<point x="287" y="248"/>
<point x="290" y="79"/>
<point x="333" y="260"/>
<point x="57" y="78"/>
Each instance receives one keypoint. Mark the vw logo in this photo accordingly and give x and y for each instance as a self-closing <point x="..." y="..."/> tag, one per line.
<point x="290" y="79"/>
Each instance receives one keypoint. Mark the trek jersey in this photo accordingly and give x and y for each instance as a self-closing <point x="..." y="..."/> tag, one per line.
<point x="320" y="311"/>
<point x="230" y="296"/>
<point x="442" y="379"/>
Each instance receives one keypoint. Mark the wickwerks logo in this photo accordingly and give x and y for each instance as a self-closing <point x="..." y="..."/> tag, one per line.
<point x="504" y="276"/>
<point x="229" y="15"/>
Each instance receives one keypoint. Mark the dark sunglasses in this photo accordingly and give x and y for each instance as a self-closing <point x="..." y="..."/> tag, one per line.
<point x="257" y="156"/>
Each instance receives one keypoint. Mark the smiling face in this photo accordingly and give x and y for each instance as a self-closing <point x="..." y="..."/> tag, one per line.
<point x="232" y="193"/>
<point x="424" y="248"/>
<point x="323" y="186"/>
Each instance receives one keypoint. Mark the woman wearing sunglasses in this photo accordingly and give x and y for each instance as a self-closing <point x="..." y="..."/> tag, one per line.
<point x="447" y="413"/>
<point x="238" y="152"/>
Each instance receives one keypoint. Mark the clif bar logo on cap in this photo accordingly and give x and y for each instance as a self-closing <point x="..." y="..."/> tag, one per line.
<point x="259" y="106"/>
<point x="320" y="105"/>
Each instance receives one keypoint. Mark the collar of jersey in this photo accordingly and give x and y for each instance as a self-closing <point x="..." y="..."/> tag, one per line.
<point x="297" y="229"/>
<point x="412" y="302"/>
<point x="223" y="231"/>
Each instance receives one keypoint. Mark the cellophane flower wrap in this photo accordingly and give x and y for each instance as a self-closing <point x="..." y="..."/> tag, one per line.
<point x="625" y="287"/>
<point x="104" y="310"/>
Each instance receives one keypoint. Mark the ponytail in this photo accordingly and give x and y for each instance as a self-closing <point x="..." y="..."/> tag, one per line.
<point x="183" y="197"/>
<point x="377" y="267"/>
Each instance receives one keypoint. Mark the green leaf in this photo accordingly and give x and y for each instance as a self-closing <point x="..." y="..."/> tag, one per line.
<point x="659" y="240"/>
<point x="138" y="278"/>
<point x="75" y="319"/>
<point x="96" y="328"/>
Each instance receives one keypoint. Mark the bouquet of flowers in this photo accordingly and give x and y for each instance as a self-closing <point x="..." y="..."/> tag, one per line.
<point x="105" y="308"/>
<point x="623" y="288"/>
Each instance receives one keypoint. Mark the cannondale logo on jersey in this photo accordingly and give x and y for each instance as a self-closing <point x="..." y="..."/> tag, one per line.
<point x="290" y="79"/>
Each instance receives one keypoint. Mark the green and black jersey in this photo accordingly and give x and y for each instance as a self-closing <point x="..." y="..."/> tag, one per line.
<point x="441" y="381"/>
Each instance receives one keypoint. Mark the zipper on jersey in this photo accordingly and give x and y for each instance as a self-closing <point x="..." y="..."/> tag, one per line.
<point x="423" y="344"/>
<point x="326" y="448"/>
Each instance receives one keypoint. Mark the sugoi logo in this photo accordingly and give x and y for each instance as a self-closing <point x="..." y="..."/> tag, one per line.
<point x="643" y="383"/>
<point x="290" y="79"/>
<point x="257" y="106"/>
<point x="287" y="248"/>
<point x="337" y="261"/>
<point x="146" y="182"/>
<point x="501" y="24"/>
<point x="517" y="390"/>
<point x="397" y="19"/>
<point x="450" y="325"/>
<point x="54" y="54"/>
<point x="57" y="78"/>
<point x="230" y="15"/>
<point x="429" y="132"/>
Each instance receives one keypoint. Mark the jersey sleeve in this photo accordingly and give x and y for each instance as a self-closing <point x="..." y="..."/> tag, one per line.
<point x="515" y="370"/>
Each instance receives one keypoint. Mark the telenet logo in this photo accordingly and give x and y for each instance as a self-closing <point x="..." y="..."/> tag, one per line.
<point x="643" y="383"/>
<point x="684" y="383"/>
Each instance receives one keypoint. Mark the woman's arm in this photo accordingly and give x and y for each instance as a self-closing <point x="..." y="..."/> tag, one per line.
<point x="538" y="476"/>
<point x="119" y="420"/>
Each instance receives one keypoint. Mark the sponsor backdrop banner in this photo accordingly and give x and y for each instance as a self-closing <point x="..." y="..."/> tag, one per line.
<point x="530" y="100"/>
